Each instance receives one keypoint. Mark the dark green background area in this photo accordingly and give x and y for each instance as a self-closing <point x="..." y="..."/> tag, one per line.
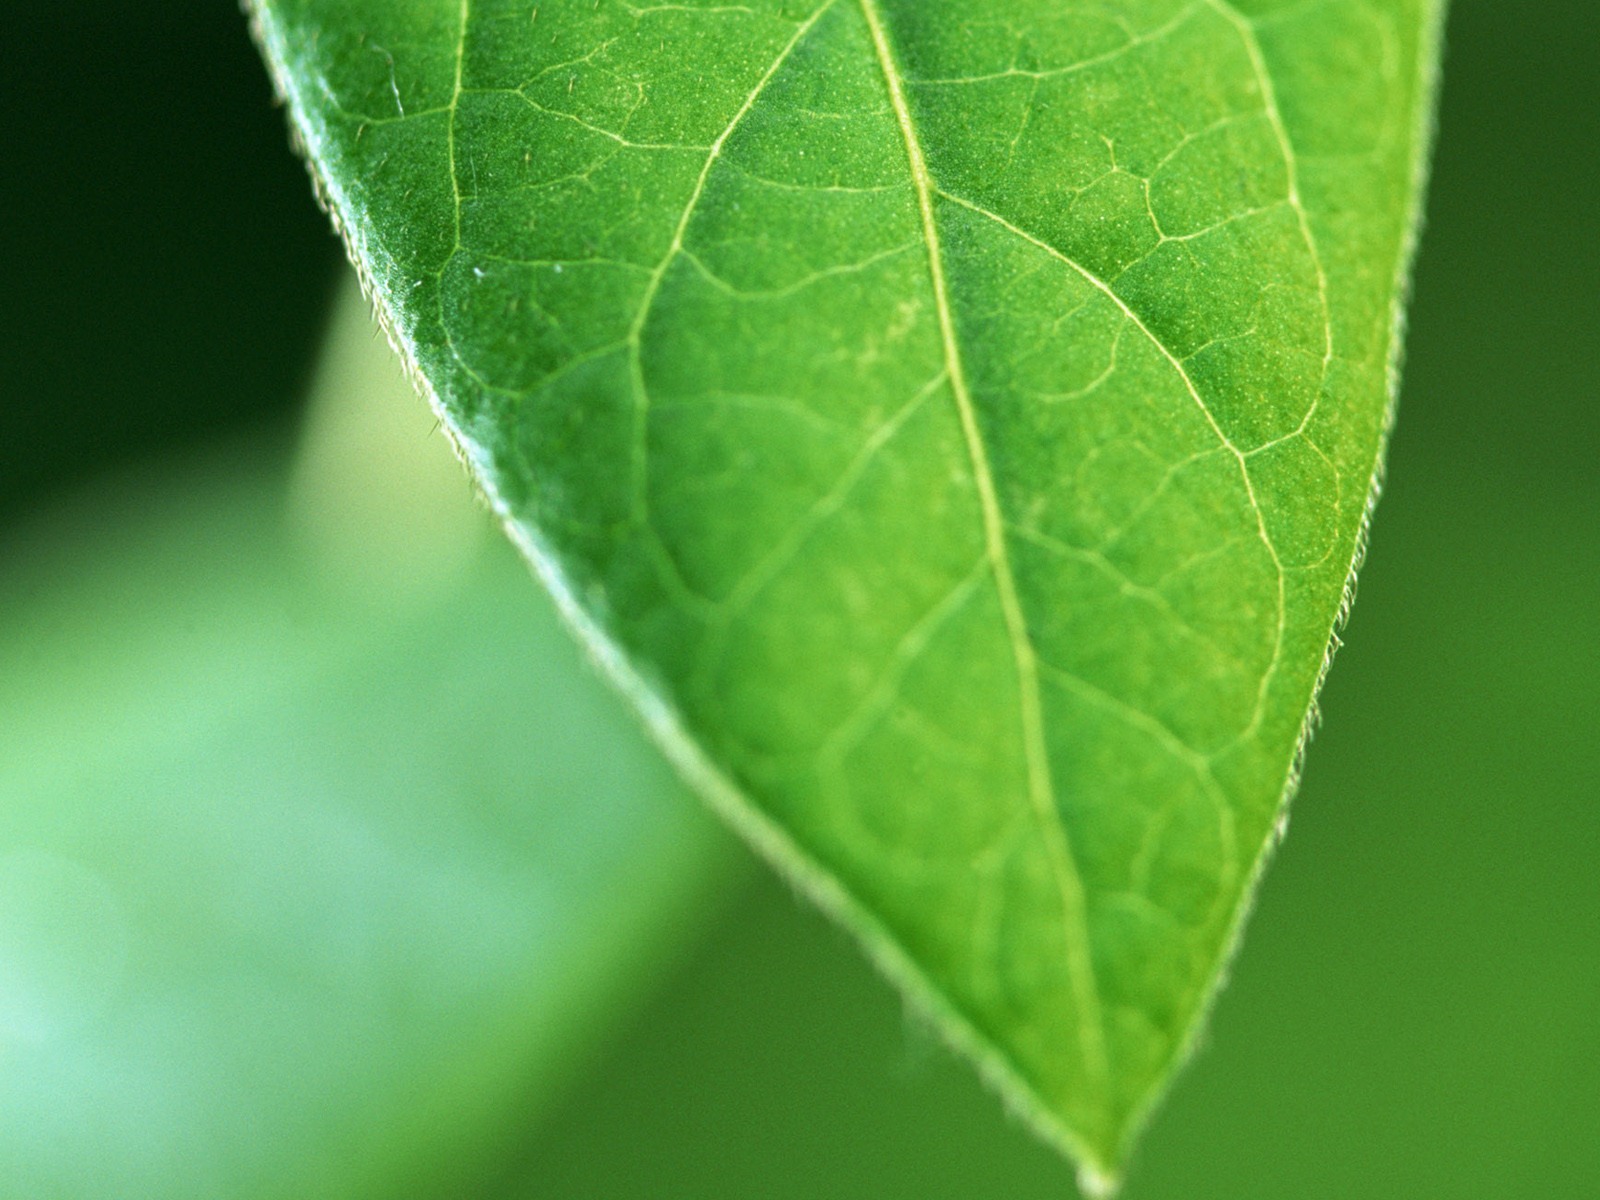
<point x="165" y="276"/>
<point x="1417" y="1008"/>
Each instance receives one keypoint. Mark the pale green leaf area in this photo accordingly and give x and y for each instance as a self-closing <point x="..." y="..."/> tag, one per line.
<point x="955" y="423"/>
<point x="316" y="871"/>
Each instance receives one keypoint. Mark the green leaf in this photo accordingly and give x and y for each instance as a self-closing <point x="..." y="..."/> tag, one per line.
<point x="953" y="423"/>
<point x="309" y="878"/>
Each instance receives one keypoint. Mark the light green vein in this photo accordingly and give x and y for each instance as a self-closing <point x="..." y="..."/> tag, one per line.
<point x="450" y="118"/>
<point x="1227" y="443"/>
<point x="1041" y="790"/>
<point x="659" y="275"/>
<point x="1291" y="167"/>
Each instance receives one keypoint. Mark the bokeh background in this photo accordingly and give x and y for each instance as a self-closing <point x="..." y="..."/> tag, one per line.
<point x="327" y="869"/>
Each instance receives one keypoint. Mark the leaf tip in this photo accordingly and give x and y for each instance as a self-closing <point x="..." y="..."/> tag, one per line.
<point x="1098" y="1183"/>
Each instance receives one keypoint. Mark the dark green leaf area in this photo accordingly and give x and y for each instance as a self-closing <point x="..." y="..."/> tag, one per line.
<point x="960" y="417"/>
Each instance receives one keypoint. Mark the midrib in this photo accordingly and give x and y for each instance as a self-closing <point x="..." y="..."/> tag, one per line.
<point x="1041" y="791"/>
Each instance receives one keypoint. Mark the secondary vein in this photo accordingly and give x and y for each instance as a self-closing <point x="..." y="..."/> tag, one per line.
<point x="1041" y="791"/>
<point x="463" y="17"/>
<point x="1228" y="444"/>
<point x="680" y="231"/>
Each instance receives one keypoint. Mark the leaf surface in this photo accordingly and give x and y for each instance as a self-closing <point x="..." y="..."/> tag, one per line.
<point x="954" y="423"/>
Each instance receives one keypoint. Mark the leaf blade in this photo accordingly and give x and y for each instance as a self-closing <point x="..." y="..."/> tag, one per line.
<point x="778" y="281"/>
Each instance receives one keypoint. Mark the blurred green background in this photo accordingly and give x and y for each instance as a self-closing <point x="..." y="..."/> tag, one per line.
<point x="337" y="874"/>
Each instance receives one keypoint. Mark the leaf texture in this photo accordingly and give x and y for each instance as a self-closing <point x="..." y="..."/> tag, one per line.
<point x="954" y="423"/>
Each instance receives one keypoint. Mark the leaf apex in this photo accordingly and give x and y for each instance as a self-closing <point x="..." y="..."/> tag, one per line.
<point x="1098" y="1183"/>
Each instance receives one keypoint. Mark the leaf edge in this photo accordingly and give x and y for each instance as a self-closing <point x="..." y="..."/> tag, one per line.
<point x="1098" y="1175"/>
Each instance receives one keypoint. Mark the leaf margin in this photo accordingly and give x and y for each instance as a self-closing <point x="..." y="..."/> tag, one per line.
<point x="763" y="834"/>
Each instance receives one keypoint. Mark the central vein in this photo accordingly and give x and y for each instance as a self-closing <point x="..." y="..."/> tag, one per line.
<point x="1041" y="791"/>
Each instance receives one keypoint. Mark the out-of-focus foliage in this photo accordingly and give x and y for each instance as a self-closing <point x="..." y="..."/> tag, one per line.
<point x="161" y="273"/>
<point x="321" y="848"/>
